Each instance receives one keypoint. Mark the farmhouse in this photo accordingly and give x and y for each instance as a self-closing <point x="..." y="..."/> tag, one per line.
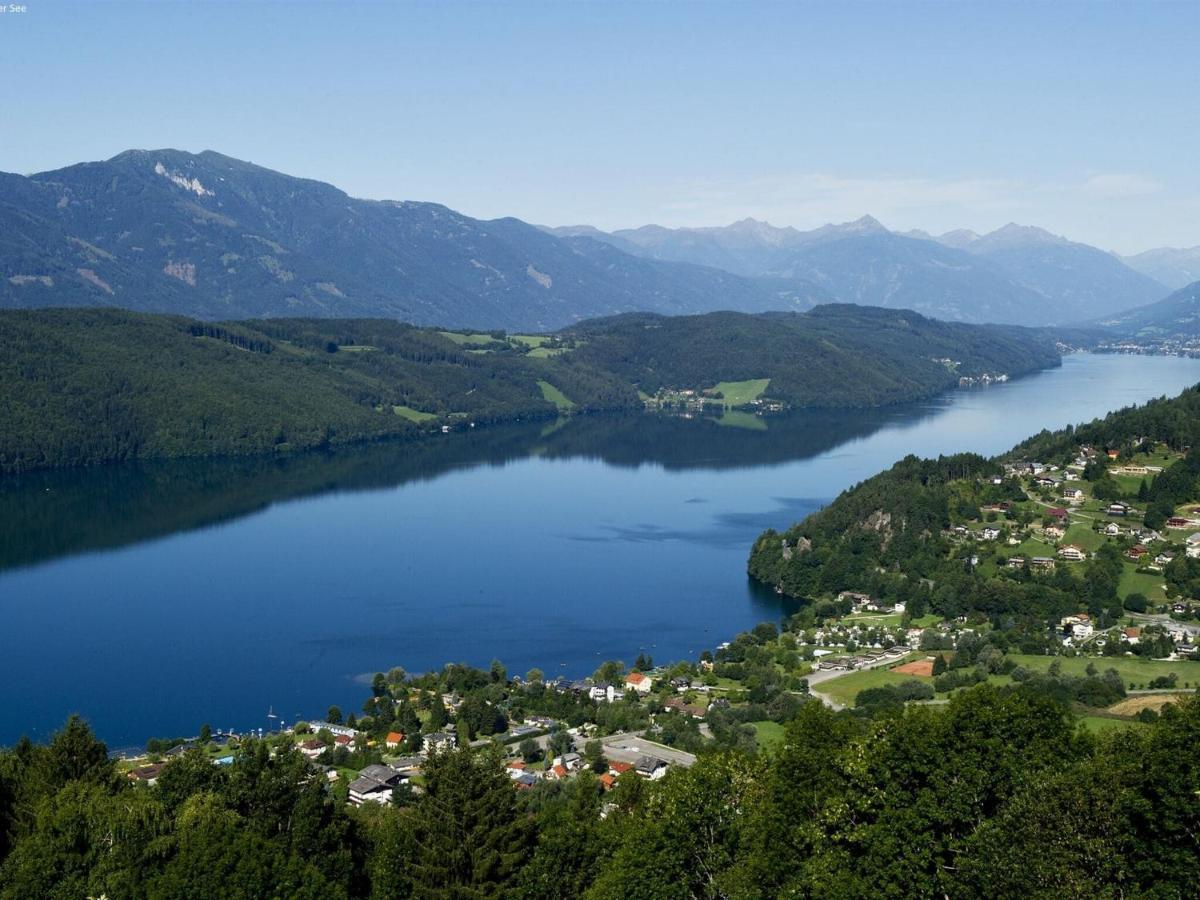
<point x="1072" y="552"/>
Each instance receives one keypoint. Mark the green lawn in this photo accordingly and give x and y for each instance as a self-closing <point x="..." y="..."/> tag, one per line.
<point x="1082" y="536"/>
<point x="1130" y="484"/>
<point x="1134" y="582"/>
<point x="413" y="415"/>
<point x="545" y="352"/>
<point x="736" y="393"/>
<point x="1132" y="670"/>
<point x="555" y="396"/>
<point x="926" y="621"/>
<point x="1101" y="724"/>
<point x="769" y="734"/>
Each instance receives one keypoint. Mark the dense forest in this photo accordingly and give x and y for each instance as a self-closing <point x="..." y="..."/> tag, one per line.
<point x="79" y="387"/>
<point x="995" y="794"/>
<point x="835" y="355"/>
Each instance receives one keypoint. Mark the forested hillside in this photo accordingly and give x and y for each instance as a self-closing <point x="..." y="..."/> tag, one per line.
<point x="79" y="387"/>
<point x="834" y="355"/>
<point x="913" y="534"/>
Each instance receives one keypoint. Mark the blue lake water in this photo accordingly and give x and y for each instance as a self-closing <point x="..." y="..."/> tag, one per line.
<point x="151" y="599"/>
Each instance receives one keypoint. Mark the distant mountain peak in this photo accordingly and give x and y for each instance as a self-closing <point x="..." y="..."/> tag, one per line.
<point x="1013" y="234"/>
<point x="864" y="225"/>
<point x="958" y="238"/>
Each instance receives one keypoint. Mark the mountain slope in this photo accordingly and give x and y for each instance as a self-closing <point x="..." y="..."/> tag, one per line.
<point x="86" y="386"/>
<point x="834" y="356"/>
<point x="1175" y="316"/>
<point x="1175" y="268"/>
<point x="1075" y="281"/>
<point x="214" y="237"/>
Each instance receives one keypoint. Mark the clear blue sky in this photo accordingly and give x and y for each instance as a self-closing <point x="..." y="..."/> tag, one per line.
<point x="1082" y="118"/>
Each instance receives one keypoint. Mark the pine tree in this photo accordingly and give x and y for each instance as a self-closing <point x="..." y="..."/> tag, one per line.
<point x="471" y="839"/>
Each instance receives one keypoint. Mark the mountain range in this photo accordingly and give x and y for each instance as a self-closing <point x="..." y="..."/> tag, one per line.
<point x="1014" y="274"/>
<point x="213" y="237"/>
<point x="1172" y="266"/>
<point x="1175" y="317"/>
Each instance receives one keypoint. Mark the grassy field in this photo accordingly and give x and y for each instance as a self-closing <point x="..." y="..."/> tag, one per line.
<point x="545" y="352"/>
<point x="736" y="393"/>
<point x="413" y="415"/>
<point x="1135" y="582"/>
<point x="1082" y="536"/>
<point x="467" y="338"/>
<point x="846" y="688"/>
<point x="769" y="734"/>
<point x="555" y="396"/>
<point x="529" y="340"/>
<point x="1131" y="669"/>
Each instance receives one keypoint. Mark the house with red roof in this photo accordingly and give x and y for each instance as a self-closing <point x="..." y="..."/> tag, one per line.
<point x="636" y="681"/>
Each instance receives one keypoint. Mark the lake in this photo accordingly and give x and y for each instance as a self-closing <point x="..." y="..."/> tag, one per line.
<point x="151" y="598"/>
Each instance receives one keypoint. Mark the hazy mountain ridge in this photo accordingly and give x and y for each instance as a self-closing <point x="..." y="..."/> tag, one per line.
<point x="1175" y="316"/>
<point x="1172" y="266"/>
<point x="1014" y="274"/>
<point x="211" y="236"/>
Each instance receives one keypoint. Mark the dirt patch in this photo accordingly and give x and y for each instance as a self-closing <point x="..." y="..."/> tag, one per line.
<point x="921" y="667"/>
<point x="1131" y="706"/>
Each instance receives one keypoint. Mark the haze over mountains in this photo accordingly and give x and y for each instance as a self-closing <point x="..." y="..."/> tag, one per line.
<point x="1175" y="316"/>
<point x="214" y="237"/>
<point x="1014" y="274"/>
<point x="1172" y="266"/>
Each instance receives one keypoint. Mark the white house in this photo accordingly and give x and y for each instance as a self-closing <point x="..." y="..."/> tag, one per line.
<point x="1072" y="552"/>
<point x="636" y="681"/>
<point x="650" y="767"/>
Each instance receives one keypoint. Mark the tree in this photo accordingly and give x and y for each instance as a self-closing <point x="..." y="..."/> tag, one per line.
<point x="529" y="750"/>
<point x="437" y="713"/>
<point x="379" y="685"/>
<point x="534" y="676"/>
<point x="560" y="743"/>
<point x="205" y="733"/>
<point x="497" y="672"/>
<point x="593" y="752"/>
<point x="334" y="715"/>
<point x="470" y="837"/>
